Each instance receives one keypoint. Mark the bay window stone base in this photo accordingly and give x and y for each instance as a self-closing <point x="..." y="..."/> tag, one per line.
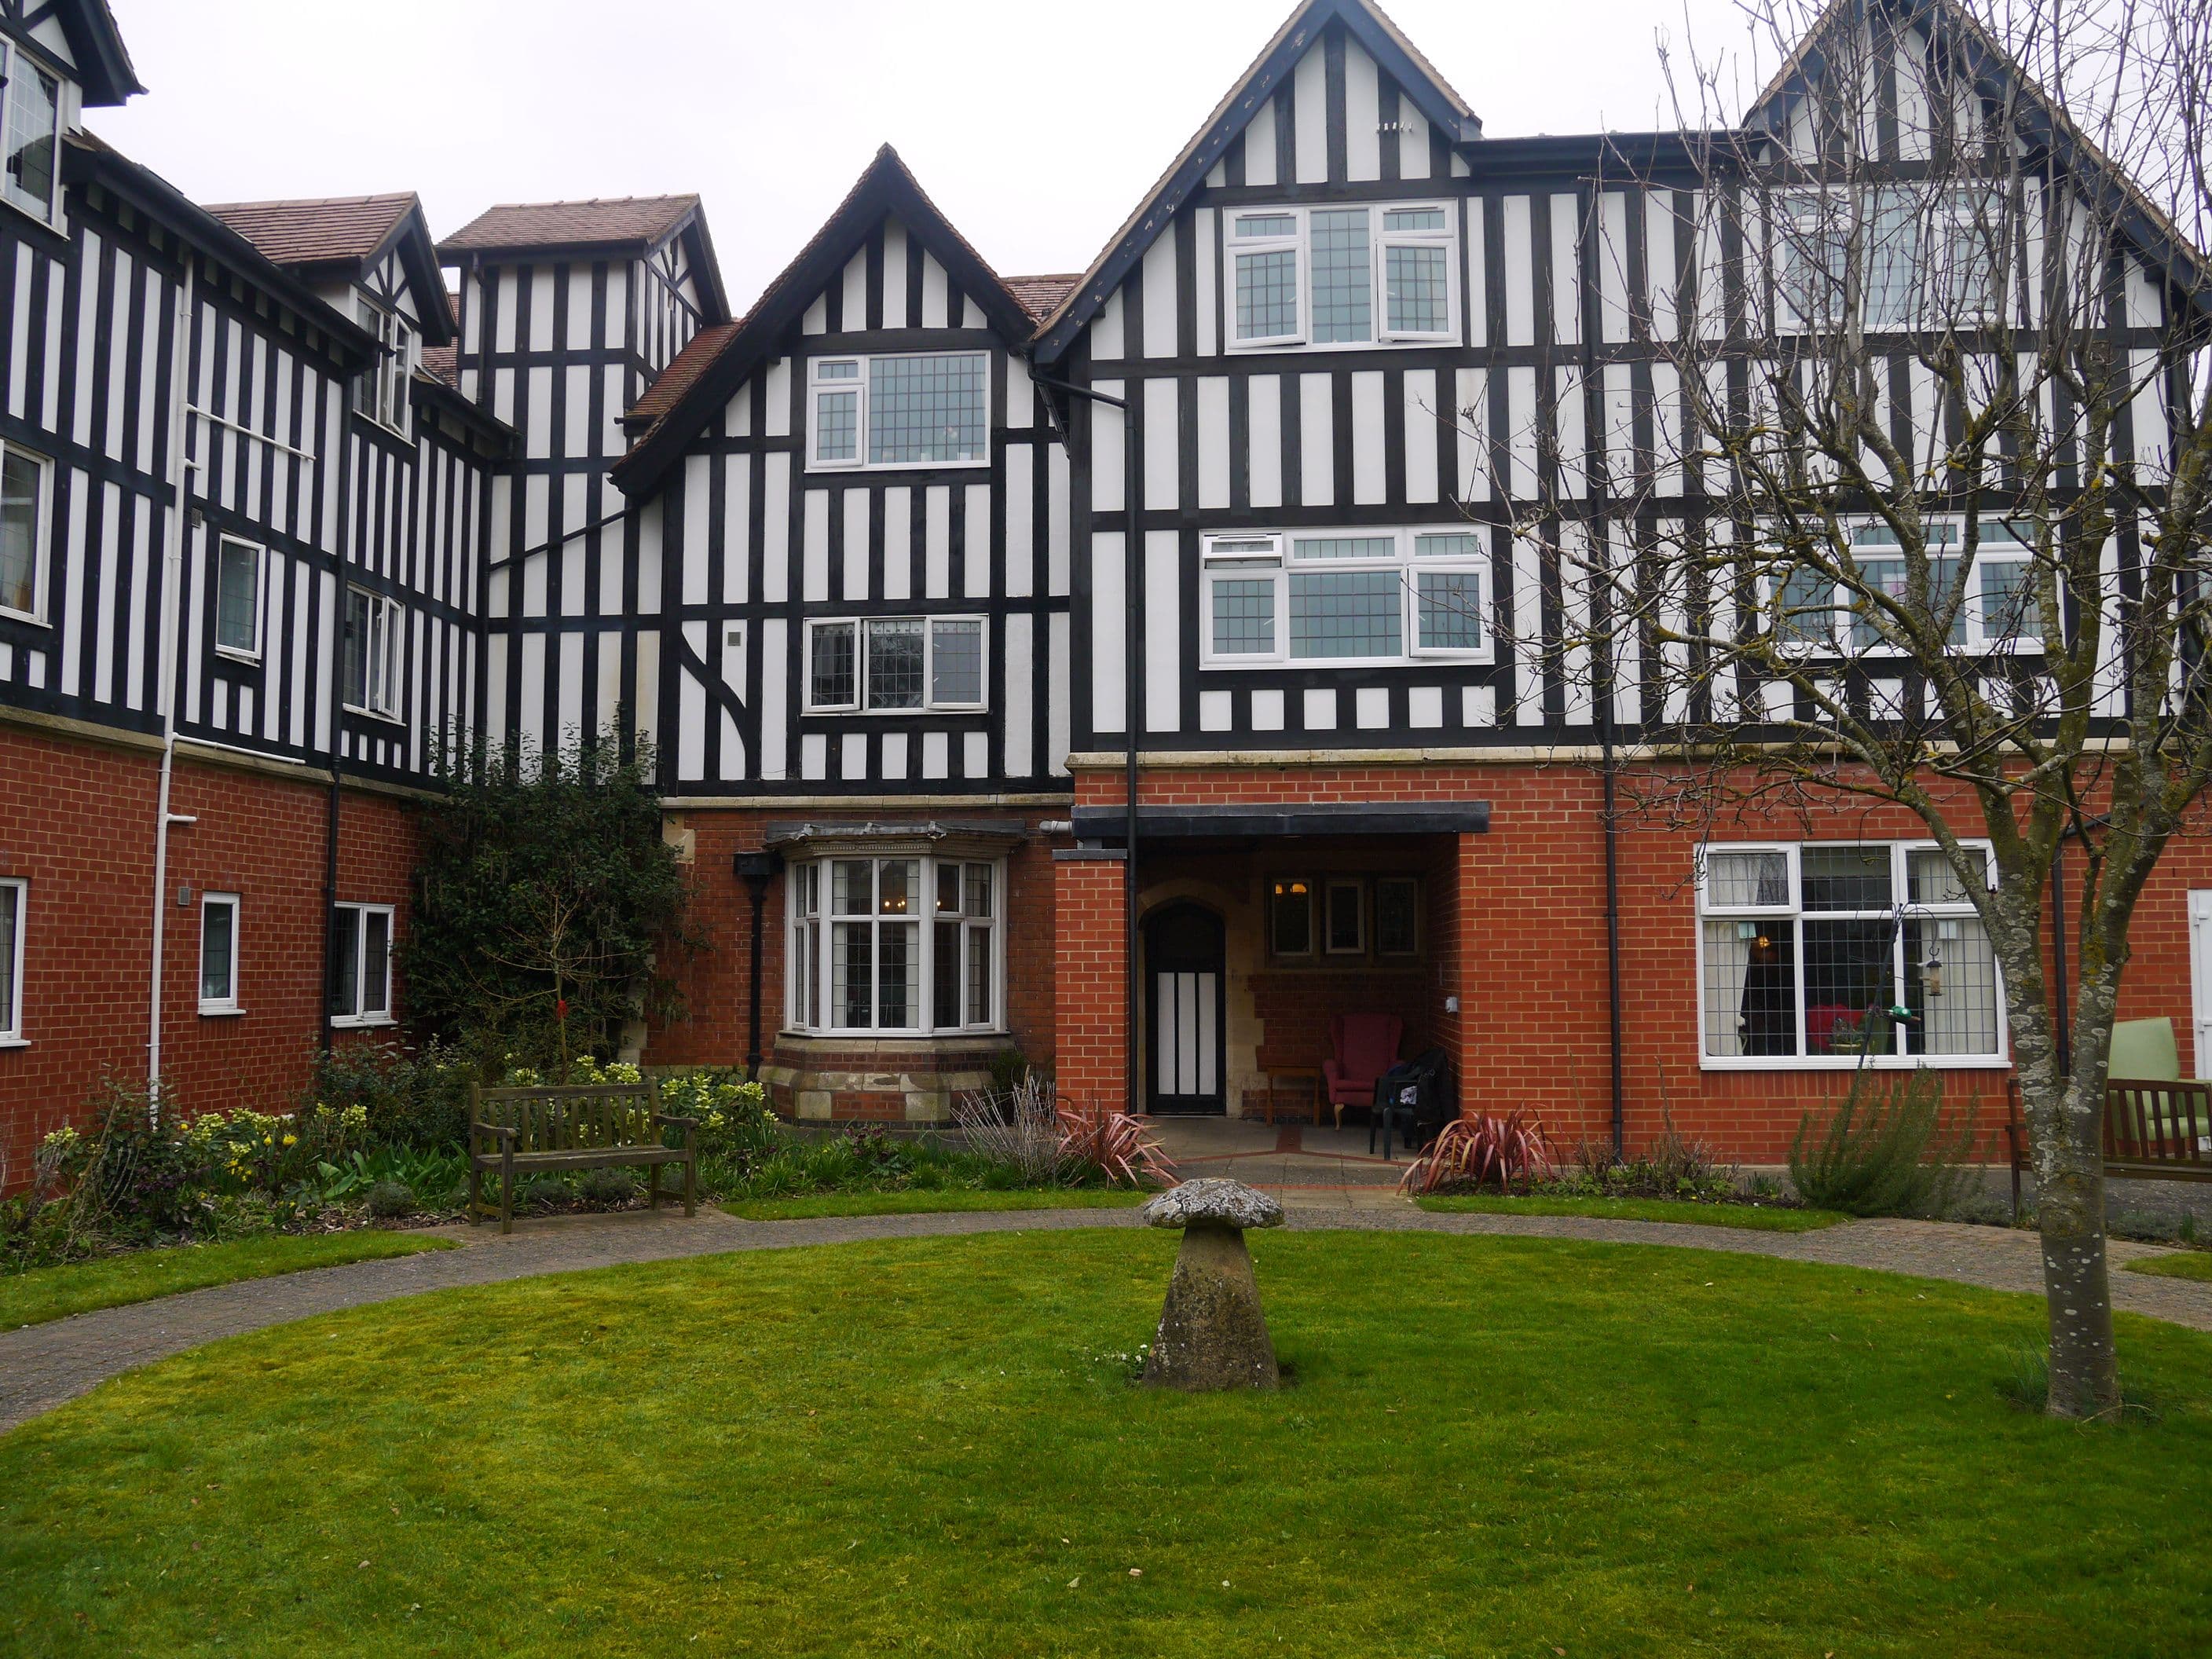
<point x="877" y="1080"/>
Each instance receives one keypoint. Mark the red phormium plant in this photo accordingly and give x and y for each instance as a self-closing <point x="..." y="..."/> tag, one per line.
<point x="1475" y="1152"/>
<point x="1116" y="1144"/>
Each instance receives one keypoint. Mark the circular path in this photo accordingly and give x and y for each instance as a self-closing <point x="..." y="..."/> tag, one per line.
<point x="43" y="1366"/>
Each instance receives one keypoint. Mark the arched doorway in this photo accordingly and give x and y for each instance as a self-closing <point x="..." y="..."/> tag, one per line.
<point x="1185" y="962"/>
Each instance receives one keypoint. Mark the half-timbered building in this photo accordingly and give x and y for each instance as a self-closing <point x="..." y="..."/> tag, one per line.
<point x="904" y="577"/>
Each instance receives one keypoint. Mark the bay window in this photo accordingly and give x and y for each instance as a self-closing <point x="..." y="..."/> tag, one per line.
<point x="912" y="410"/>
<point x="910" y="944"/>
<point x="1347" y="597"/>
<point x="33" y="126"/>
<point x="1342" y="276"/>
<point x="895" y="664"/>
<point x="1824" y="953"/>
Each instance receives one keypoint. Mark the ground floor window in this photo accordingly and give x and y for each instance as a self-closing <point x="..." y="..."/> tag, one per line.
<point x="360" y="964"/>
<point x="13" y="895"/>
<point x="1353" y="915"/>
<point x="905" y="944"/>
<point x="1833" y="951"/>
<point x="218" y="953"/>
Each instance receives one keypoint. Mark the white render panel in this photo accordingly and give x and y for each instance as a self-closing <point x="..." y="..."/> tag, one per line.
<point x="815" y="550"/>
<point x="1316" y="448"/>
<point x="1019" y="723"/>
<point x="1163" y="617"/>
<point x="1421" y="414"/>
<point x="1159" y="267"/>
<point x="1213" y="441"/>
<point x="1263" y="424"/>
<point x="976" y="573"/>
<point x="1021" y="561"/>
<point x="1267" y="709"/>
<point x="937" y="544"/>
<point x="1520" y="274"/>
<point x="1108" y="633"/>
<point x="856" y="544"/>
<point x="774" y="647"/>
<point x="1371" y="707"/>
<point x="775" y="526"/>
<point x="895" y="258"/>
<point x="1106" y="463"/>
<point x="1208" y="319"/>
<point x="1319" y="712"/>
<point x="1058" y="715"/>
<point x="1310" y="105"/>
<point x="1363" y="142"/>
<point x="1370" y="483"/>
<point x="1260" y="167"/>
<point x="1162" y="485"/>
<point x="898" y="543"/>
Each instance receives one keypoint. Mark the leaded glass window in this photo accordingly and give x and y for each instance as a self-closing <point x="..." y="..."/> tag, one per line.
<point x="832" y="674"/>
<point x="1343" y="596"/>
<point x="882" y="950"/>
<point x="927" y="408"/>
<point x="1308" y="275"/>
<point x="895" y="649"/>
<point x="33" y="131"/>
<point x="22" y="516"/>
<point x="956" y="662"/>
<point x="1346" y="613"/>
<point x="1343" y="276"/>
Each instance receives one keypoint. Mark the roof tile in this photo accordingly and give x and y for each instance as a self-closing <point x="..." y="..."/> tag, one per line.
<point x="317" y="230"/>
<point x="612" y="222"/>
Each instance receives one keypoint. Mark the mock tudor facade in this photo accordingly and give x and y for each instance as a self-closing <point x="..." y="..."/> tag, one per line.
<point x="288" y="522"/>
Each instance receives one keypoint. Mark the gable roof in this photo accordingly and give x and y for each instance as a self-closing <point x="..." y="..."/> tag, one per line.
<point x="103" y="73"/>
<point x="343" y="236"/>
<point x="1041" y="296"/>
<point x="710" y="370"/>
<point x="2000" y="78"/>
<point x="602" y="226"/>
<point x="1398" y="57"/>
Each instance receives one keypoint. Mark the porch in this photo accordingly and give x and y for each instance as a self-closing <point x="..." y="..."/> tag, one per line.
<point x="1257" y="928"/>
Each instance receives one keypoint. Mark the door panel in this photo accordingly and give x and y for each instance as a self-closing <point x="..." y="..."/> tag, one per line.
<point x="1184" y="962"/>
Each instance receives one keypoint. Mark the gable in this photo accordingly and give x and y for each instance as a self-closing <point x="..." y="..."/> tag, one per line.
<point x="1338" y="96"/>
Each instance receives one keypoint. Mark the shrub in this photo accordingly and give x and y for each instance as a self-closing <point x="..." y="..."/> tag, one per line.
<point x="417" y="1100"/>
<point x="1470" y="1152"/>
<point x="1887" y="1149"/>
<point x="543" y="1192"/>
<point x="1114" y="1146"/>
<point x="1019" y="1128"/>
<point x="737" y="1125"/>
<point x="128" y="1172"/>
<point x="388" y="1200"/>
<point x="607" y="1188"/>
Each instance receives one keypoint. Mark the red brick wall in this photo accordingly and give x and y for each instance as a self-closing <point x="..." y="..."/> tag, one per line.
<point x="1091" y="937"/>
<point x="715" y="979"/>
<point x="1522" y="909"/>
<point x="76" y="819"/>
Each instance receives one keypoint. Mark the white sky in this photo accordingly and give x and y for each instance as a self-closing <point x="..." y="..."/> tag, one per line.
<point x="1036" y="126"/>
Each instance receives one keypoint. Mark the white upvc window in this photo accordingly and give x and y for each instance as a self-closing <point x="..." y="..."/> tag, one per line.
<point x="907" y="943"/>
<point x="14" y="904"/>
<point x="1904" y="257"/>
<point x="1344" y="598"/>
<point x="368" y="668"/>
<point x="219" y="953"/>
<point x="1358" y="274"/>
<point x="899" y="410"/>
<point x="238" y="598"/>
<point x="31" y="110"/>
<point x="2000" y="611"/>
<point x="360" y="961"/>
<point x="26" y="480"/>
<point x="897" y="664"/>
<point x="1832" y="954"/>
<point x="381" y="393"/>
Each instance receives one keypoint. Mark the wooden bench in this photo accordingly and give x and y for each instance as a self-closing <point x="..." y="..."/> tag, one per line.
<point x="2156" y="1129"/>
<point x="579" y="1126"/>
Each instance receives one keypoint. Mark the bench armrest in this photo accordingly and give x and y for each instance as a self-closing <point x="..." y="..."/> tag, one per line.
<point x="497" y="1131"/>
<point x="667" y="1120"/>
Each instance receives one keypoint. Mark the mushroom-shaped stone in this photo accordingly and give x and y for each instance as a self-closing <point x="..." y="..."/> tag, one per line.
<point x="1213" y="1334"/>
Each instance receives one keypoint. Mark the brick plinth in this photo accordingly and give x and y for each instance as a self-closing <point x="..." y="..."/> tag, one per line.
<point x="1089" y="986"/>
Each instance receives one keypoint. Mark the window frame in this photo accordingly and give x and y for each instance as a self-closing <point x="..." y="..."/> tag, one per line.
<point x="1299" y="243"/>
<point x="12" y="1005"/>
<point x="1239" y="555"/>
<point x="211" y="1007"/>
<point x="1932" y="216"/>
<point x="1900" y="854"/>
<point x="1412" y="886"/>
<point x="862" y="387"/>
<point x="11" y="54"/>
<point x="1331" y="886"/>
<point x="386" y="623"/>
<point x="361" y="1017"/>
<point x="810" y="994"/>
<point x="862" y="647"/>
<point x="1990" y="550"/>
<point x="1275" y="948"/>
<point x="224" y="541"/>
<point x="41" y="537"/>
<point x="382" y="389"/>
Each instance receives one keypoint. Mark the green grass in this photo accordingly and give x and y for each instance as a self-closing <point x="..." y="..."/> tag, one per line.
<point x="1495" y="1445"/>
<point x="113" y="1281"/>
<point x="923" y="1201"/>
<point x="2182" y="1264"/>
<point x="1756" y="1218"/>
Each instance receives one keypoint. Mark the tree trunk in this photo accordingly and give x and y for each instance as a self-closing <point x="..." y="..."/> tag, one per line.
<point x="2069" y="1200"/>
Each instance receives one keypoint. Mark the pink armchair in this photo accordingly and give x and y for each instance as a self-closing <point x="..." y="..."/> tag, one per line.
<point x="1365" y="1047"/>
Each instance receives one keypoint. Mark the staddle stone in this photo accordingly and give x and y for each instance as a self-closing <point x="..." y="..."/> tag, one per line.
<point x="1212" y="1333"/>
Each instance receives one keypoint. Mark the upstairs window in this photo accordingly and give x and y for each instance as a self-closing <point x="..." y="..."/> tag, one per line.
<point x="1343" y="597"/>
<point x="1342" y="276"/>
<point x="1894" y="258"/>
<point x="895" y="664"/>
<point x="238" y="598"/>
<point x="34" y="127"/>
<point x="2000" y="611"/>
<point x="369" y="670"/>
<point x="381" y="393"/>
<point x="25" y="486"/>
<point x="916" y="409"/>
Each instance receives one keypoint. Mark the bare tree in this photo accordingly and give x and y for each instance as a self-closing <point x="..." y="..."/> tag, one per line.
<point x="1911" y="507"/>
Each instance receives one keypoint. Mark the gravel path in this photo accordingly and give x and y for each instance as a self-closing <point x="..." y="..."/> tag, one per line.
<point x="43" y="1366"/>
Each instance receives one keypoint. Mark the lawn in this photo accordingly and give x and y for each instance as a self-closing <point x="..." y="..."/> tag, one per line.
<point x="112" y="1281"/>
<point x="2182" y="1264"/>
<point x="930" y="1446"/>
<point x="1757" y="1218"/>
<point x="927" y="1201"/>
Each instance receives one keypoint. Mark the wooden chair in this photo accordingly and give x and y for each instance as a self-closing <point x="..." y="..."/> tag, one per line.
<point x="573" y="1127"/>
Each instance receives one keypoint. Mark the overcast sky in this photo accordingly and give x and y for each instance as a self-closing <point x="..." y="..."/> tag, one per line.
<point x="1036" y="126"/>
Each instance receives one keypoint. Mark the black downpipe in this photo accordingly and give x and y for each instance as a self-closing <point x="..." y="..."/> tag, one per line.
<point x="758" y="869"/>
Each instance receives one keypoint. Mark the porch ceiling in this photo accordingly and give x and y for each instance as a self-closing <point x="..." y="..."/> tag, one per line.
<point x="1109" y="824"/>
